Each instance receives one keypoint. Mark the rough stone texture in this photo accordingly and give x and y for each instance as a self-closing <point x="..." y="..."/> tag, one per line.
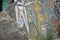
<point x="57" y="39"/>
<point x="9" y="29"/>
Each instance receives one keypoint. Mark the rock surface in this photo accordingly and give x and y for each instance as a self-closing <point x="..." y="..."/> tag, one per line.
<point x="10" y="30"/>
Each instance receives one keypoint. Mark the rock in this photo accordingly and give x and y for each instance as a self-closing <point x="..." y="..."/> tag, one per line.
<point x="10" y="30"/>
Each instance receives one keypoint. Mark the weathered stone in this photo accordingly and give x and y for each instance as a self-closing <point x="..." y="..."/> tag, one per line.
<point x="9" y="29"/>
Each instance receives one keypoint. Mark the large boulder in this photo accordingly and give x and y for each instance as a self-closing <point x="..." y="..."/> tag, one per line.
<point x="10" y="30"/>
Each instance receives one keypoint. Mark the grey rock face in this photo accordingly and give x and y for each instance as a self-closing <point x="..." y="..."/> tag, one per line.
<point x="9" y="30"/>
